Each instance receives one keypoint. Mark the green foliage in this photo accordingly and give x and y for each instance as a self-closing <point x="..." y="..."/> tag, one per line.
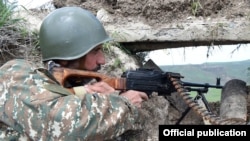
<point x="117" y="36"/>
<point x="117" y="64"/>
<point x="195" y="6"/>
<point x="6" y="12"/>
<point x="107" y="46"/>
<point x="17" y="40"/>
<point x="8" y="20"/>
<point x="213" y="95"/>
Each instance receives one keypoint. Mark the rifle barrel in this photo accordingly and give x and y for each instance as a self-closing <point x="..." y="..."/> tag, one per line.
<point x="190" y="84"/>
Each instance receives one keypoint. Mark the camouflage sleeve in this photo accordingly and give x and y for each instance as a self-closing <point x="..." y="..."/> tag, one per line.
<point x="27" y="107"/>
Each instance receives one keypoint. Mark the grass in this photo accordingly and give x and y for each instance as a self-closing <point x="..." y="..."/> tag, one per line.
<point x="195" y="6"/>
<point x="17" y="40"/>
<point x="6" y="13"/>
<point x="213" y="95"/>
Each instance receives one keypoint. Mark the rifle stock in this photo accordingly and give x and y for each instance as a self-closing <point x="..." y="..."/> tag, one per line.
<point x="62" y="74"/>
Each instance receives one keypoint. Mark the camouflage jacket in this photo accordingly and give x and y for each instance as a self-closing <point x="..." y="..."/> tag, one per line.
<point x="29" y="111"/>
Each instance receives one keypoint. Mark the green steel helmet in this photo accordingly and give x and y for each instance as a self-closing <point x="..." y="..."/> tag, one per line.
<point x="69" y="33"/>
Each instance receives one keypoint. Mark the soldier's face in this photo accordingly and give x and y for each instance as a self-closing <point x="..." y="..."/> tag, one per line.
<point x="91" y="61"/>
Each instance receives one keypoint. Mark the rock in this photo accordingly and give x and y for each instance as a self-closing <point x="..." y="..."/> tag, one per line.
<point x="234" y="100"/>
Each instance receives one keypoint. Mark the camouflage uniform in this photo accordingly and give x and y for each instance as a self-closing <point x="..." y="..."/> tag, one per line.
<point x="29" y="111"/>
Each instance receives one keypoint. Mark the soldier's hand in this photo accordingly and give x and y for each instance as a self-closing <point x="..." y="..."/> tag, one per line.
<point x="99" y="87"/>
<point x="135" y="97"/>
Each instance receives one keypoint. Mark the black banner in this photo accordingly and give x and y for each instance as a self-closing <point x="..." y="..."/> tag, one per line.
<point x="198" y="132"/>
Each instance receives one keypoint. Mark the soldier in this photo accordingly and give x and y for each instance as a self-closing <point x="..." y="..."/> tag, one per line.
<point x="34" y="107"/>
